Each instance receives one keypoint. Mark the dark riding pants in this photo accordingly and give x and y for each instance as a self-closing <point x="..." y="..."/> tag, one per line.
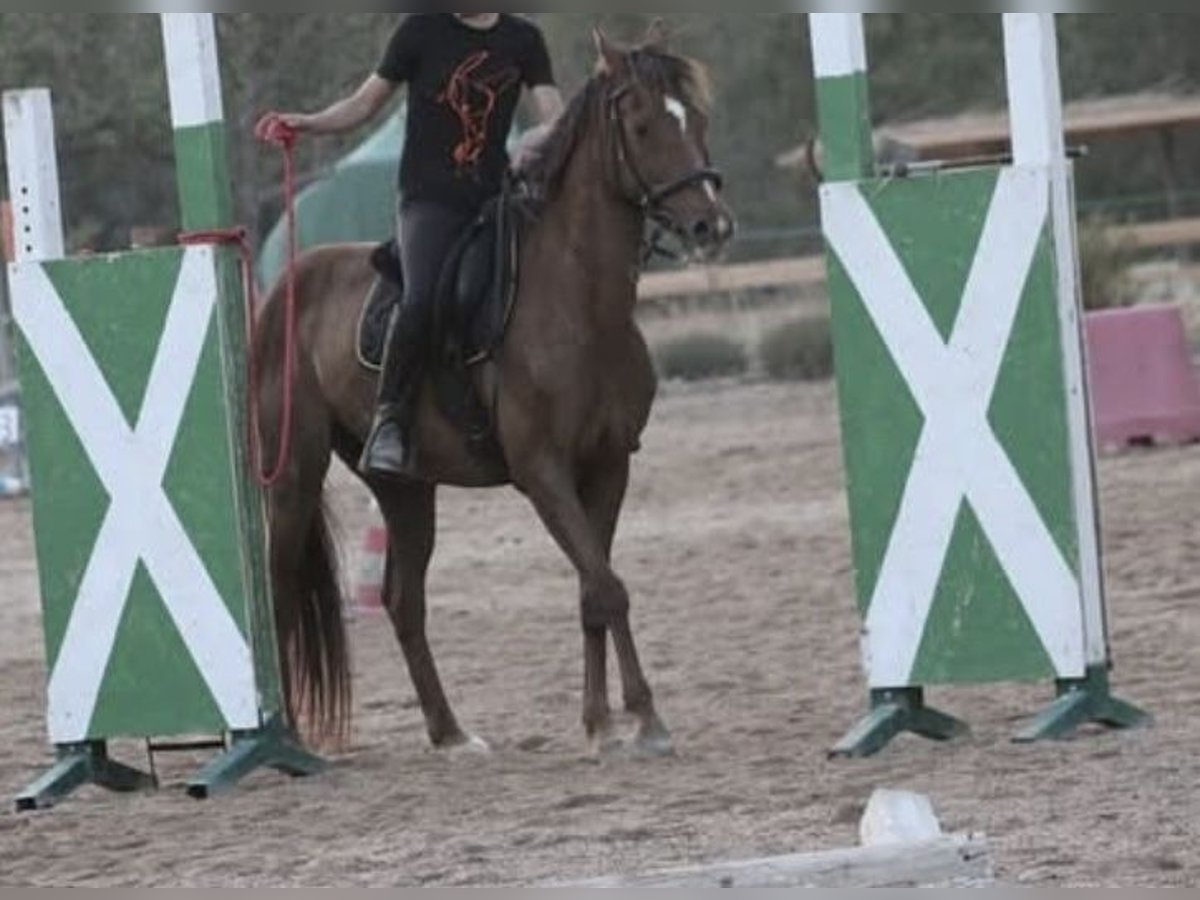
<point x="427" y="233"/>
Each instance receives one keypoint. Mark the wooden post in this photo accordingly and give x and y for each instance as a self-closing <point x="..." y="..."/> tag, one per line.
<point x="959" y="861"/>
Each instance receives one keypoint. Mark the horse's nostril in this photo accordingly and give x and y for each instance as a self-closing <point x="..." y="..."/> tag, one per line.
<point x="703" y="232"/>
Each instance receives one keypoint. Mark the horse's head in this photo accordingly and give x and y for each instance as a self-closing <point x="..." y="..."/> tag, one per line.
<point x="657" y="106"/>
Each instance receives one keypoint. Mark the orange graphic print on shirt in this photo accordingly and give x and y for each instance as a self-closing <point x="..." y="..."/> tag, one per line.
<point x="474" y="97"/>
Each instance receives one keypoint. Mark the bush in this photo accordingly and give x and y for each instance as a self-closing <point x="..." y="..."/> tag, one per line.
<point x="1105" y="262"/>
<point x="801" y="350"/>
<point x="699" y="357"/>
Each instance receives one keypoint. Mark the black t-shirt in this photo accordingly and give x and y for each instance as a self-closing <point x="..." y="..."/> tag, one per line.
<point x="464" y="85"/>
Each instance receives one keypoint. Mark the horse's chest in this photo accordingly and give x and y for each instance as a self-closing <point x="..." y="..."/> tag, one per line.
<point x="621" y="396"/>
<point x="586" y="388"/>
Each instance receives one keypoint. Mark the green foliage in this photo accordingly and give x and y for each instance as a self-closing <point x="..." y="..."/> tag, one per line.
<point x="701" y="357"/>
<point x="801" y="350"/>
<point x="111" y="111"/>
<point x="1105" y="261"/>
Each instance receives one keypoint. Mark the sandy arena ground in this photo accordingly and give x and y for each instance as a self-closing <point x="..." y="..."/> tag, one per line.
<point x="736" y="548"/>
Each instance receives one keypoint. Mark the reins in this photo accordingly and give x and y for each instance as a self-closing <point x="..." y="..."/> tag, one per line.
<point x="284" y="138"/>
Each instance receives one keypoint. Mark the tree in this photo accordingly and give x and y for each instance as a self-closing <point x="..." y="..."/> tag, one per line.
<point x="107" y="74"/>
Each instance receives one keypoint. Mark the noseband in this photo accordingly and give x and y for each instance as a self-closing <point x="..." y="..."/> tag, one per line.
<point x="650" y="197"/>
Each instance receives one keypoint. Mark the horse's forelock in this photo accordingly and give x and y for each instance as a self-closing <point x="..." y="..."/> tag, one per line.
<point x="678" y="76"/>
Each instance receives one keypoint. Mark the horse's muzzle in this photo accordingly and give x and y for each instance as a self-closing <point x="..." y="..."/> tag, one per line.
<point x="710" y="233"/>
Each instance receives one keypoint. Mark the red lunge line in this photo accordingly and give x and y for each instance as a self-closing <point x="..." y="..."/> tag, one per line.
<point x="277" y="133"/>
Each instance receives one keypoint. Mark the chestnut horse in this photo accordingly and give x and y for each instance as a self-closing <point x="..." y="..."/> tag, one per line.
<point x="573" y="384"/>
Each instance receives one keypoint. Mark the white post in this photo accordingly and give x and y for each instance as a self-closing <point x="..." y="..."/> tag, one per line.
<point x="193" y="69"/>
<point x="33" y="176"/>
<point x="1039" y="139"/>
<point x="198" y="117"/>
<point x="1035" y="89"/>
<point x="34" y="192"/>
<point x="839" y="44"/>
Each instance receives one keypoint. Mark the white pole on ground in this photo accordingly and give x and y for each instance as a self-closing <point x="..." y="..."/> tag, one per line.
<point x="1039" y="139"/>
<point x="33" y="176"/>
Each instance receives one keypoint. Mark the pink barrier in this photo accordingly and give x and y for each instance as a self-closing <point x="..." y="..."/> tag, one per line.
<point x="1144" y="384"/>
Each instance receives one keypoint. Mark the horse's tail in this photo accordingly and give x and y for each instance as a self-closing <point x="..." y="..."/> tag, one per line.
<point x="314" y="645"/>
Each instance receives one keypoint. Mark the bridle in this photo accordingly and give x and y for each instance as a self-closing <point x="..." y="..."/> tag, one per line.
<point x="650" y="198"/>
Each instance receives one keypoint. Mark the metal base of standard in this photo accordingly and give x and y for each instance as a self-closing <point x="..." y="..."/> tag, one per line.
<point x="79" y="765"/>
<point x="271" y="748"/>
<point x="1085" y="702"/>
<point x="894" y="713"/>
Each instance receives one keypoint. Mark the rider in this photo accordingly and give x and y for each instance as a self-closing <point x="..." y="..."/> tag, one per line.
<point x="465" y="73"/>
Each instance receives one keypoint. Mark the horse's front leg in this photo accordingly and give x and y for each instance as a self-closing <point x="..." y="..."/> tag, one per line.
<point x="603" y="489"/>
<point x="581" y="511"/>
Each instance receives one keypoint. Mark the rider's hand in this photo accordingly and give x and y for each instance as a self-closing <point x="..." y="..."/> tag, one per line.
<point x="529" y="147"/>
<point x="280" y="128"/>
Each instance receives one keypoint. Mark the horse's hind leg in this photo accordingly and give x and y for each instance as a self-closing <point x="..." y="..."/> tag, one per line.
<point x="411" y="514"/>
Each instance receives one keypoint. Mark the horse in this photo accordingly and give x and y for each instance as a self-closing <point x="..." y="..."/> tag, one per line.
<point x="573" y="385"/>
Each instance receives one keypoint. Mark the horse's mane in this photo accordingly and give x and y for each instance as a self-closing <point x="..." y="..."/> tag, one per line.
<point x="666" y="72"/>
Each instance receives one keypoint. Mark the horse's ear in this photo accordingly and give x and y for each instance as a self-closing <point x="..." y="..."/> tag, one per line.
<point x="657" y="35"/>
<point x="612" y="60"/>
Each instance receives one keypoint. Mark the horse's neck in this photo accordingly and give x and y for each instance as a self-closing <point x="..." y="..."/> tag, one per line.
<point x="594" y="238"/>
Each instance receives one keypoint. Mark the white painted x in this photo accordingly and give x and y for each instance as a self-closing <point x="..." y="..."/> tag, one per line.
<point x="141" y="525"/>
<point x="959" y="459"/>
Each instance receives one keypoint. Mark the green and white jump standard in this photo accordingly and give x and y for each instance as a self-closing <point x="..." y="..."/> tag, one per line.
<point x="964" y="406"/>
<point x="148" y="520"/>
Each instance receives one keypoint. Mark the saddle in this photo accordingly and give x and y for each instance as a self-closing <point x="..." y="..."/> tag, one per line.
<point x="476" y="296"/>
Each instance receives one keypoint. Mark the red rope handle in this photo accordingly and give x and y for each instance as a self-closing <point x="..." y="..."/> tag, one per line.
<point x="278" y="133"/>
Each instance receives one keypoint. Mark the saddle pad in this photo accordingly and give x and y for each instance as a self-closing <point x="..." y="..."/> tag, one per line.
<point x="382" y="299"/>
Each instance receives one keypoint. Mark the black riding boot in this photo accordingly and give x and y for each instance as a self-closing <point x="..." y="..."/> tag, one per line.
<point x="391" y="447"/>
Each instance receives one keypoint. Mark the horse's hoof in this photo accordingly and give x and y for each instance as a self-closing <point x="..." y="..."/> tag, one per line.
<point x="654" y="742"/>
<point x="466" y="745"/>
<point x="607" y="744"/>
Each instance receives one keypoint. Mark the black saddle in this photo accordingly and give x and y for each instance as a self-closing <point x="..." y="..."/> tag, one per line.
<point x="476" y="296"/>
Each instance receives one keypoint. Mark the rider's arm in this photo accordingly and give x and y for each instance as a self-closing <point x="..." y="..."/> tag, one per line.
<point x="397" y="68"/>
<point x="546" y="105"/>
<point x="349" y="114"/>
<point x="545" y="99"/>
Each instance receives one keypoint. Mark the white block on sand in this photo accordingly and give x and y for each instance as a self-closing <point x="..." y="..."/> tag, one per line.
<point x="899" y="817"/>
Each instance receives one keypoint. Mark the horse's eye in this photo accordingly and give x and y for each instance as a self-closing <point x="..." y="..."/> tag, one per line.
<point x="642" y="130"/>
